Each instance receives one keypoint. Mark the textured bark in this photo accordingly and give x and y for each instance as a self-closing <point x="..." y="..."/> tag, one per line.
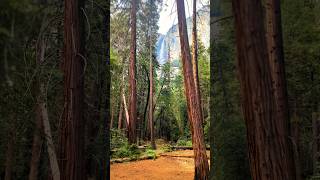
<point x="195" y="53"/>
<point x="270" y="154"/>
<point x="276" y="62"/>
<point x="71" y="149"/>
<point x="193" y="102"/>
<point x="132" y="133"/>
<point x="153" y="144"/>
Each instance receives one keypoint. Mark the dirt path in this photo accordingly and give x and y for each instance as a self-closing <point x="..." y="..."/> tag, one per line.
<point x="163" y="168"/>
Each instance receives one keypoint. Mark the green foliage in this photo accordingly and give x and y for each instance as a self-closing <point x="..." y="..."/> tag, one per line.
<point x="151" y="153"/>
<point x="166" y="148"/>
<point x="130" y="151"/>
<point x="184" y="142"/>
<point x="118" y="139"/>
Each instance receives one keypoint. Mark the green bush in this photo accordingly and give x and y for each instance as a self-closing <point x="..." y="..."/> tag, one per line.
<point x="130" y="151"/>
<point x="151" y="153"/>
<point x="167" y="148"/>
<point x="118" y="139"/>
<point x="184" y="142"/>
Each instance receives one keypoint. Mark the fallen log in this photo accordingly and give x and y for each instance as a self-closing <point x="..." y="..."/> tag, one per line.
<point x="186" y="148"/>
<point x="122" y="160"/>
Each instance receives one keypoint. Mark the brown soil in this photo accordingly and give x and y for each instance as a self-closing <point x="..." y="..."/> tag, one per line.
<point x="163" y="168"/>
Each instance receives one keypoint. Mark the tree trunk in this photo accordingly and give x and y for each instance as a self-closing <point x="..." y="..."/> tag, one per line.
<point x="105" y="161"/>
<point x="195" y="53"/>
<point x="270" y="154"/>
<point x="55" y="171"/>
<point x="120" y="114"/>
<point x="153" y="144"/>
<point x="112" y="114"/>
<point x="193" y="102"/>
<point x="276" y="62"/>
<point x="132" y="133"/>
<point x="36" y="147"/>
<point x="72" y="144"/>
<point x="37" y="139"/>
<point x="126" y="111"/>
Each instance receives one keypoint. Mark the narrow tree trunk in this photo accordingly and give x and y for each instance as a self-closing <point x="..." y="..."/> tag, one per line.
<point x="153" y="144"/>
<point x="36" y="147"/>
<point x="112" y="114"/>
<point x="37" y="139"/>
<point x="55" y="171"/>
<point x="270" y="154"/>
<point x="132" y="135"/>
<point x="126" y="111"/>
<point x="72" y="144"/>
<point x="120" y="114"/>
<point x="193" y="102"/>
<point x="195" y="53"/>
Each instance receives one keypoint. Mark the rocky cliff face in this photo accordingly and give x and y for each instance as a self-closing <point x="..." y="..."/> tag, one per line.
<point x="170" y="43"/>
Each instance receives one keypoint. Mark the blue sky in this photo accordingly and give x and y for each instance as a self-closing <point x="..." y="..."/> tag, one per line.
<point x="168" y="14"/>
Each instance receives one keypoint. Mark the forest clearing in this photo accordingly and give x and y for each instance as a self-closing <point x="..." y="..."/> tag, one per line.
<point x="160" y="89"/>
<point x="178" y="165"/>
<point x="162" y="168"/>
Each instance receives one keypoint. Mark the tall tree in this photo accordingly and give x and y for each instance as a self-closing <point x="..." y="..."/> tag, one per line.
<point x="132" y="135"/>
<point x="195" y="51"/>
<point x="269" y="150"/>
<point x="151" y="124"/>
<point x="71" y="149"/>
<point x="193" y="102"/>
<point x="276" y="62"/>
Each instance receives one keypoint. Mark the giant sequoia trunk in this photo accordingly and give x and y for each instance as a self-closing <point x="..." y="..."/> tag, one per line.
<point x="193" y="102"/>
<point x="71" y="149"/>
<point x="132" y="135"/>
<point x="270" y="154"/>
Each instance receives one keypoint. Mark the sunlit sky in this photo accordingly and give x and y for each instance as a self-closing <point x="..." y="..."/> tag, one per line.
<point x="168" y="14"/>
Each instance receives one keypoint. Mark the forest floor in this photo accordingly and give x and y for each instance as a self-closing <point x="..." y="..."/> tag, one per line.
<point x="177" y="165"/>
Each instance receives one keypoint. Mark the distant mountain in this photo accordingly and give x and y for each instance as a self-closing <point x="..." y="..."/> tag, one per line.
<point x="171" y="38"/>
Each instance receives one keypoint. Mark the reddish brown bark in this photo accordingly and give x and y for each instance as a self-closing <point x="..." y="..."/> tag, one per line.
<point x="270" y="154"/>
<point x="132" y="134"/>
<point x="195" y="52"/>
<point x="193" y="102"/>
<point x="71" y="149"/>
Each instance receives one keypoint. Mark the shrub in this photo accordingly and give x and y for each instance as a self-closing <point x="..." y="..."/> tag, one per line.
<point x="184" y="142"/>
<point x="167" y="148"/>
<point x="151" y="153"/>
